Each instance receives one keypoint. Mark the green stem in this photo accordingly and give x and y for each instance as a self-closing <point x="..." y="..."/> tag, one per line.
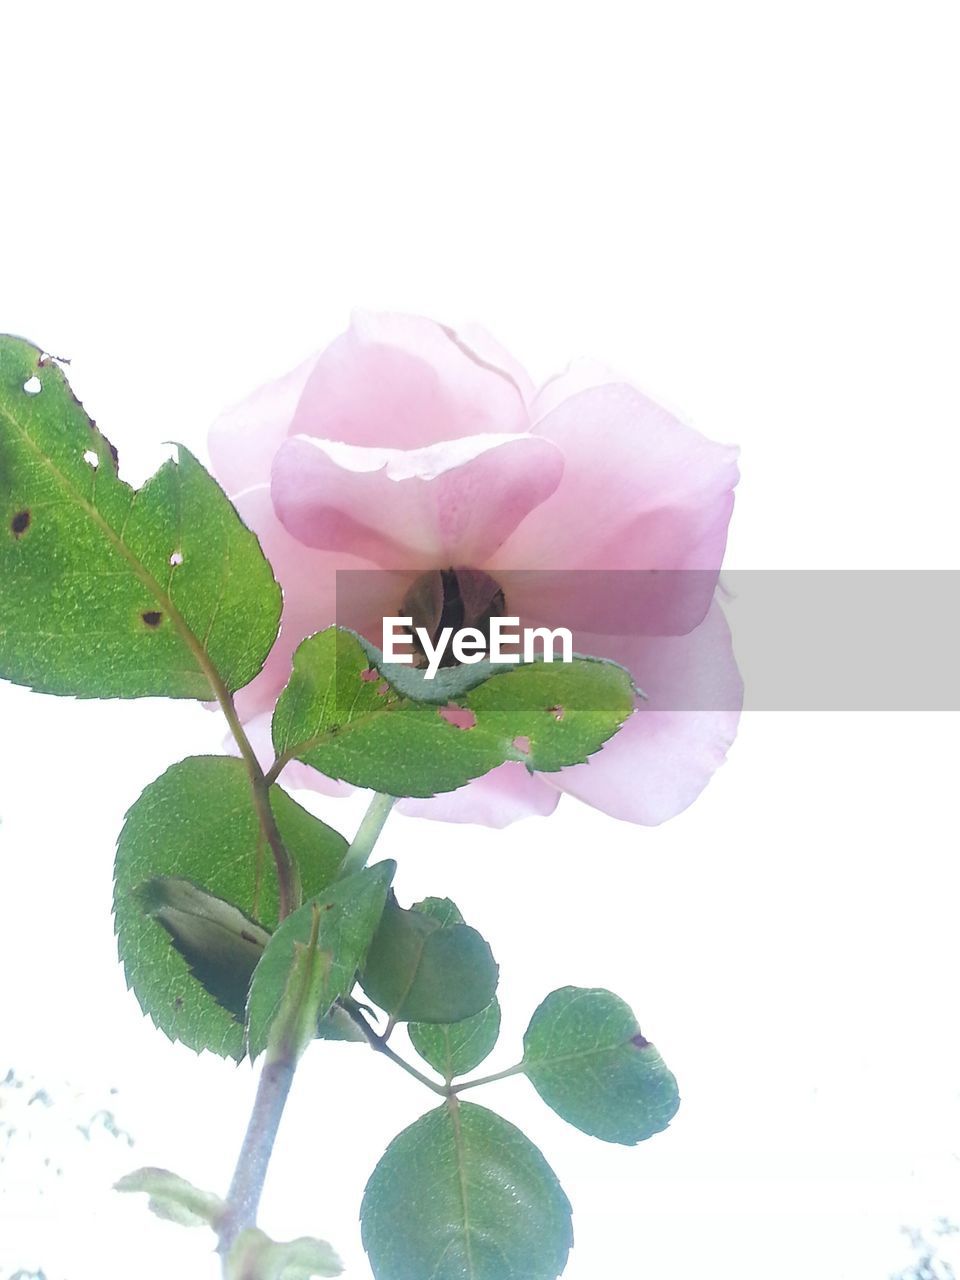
<point x="499" y="1075"/>
<point x="367" y="834"/>
<point x="288" y="879"/>
<point x="379" y="1045"/>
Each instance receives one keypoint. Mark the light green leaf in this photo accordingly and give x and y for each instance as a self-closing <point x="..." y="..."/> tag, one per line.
<point x="339" y="923"/>
<point x="173" y="1198"/>
<point x="586" y="1057"/>
<point x="426" y="965"/>
<point x="463" y="1195"/>
<point x="454" y="1048"/>
<point x="111" y="592"/>
<point x="255" y="1256"/>
<point x="197" y="823"/>
<point x="335" y="716"/>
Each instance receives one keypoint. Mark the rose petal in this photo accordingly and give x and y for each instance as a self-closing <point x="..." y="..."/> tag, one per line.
<point x="667" y="751"/>
<point x="639" y="490"/>
<point x="484" y="346"/>
<point x="406" y="382"/>
<point x="452" y="503"/>
<point x="578" y="376"/>
<point x="502" y="796"/>
<point x="244" y="438"/>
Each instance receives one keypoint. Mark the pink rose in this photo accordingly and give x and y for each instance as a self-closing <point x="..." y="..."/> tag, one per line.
<point x="407" y="447"/>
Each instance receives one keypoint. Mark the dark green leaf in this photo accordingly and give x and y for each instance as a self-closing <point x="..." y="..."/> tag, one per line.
<point x="455" y="1048"/>
<point x="426" y="965"/>
<point x="111" y="592"/>
<point x="342" y="920"/>
<point x="334" y="716"/>
<point x="197" y="823"/>
<point x="586" y="1057"/>
<point x="449" y="684"/>
<point x="173" y="1198"/>
<point x="221" y="945"/>
<point x="463" y="1195"/>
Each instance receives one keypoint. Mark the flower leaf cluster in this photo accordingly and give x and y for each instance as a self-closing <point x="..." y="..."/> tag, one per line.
<point x="248" y="927"/>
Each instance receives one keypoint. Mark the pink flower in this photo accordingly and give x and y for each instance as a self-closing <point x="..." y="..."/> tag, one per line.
<point x="407" y="447"/>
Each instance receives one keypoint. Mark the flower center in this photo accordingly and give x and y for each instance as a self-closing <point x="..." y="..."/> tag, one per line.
<point x="455" y="598"/>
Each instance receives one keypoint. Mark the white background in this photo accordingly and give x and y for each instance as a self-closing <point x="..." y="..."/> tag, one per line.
<point x="752" y="209"/>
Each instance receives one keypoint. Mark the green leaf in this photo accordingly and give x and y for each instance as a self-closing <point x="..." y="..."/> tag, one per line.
<point x="586" y="1057"/>
<point x="463" y="1195"/>
<point x="255" y="1256"/>
<point x="447" y="685"/>
<point x="304" y="999"/>
<point x="111" y="592"/>
<point x="455" y="1048"/>
<point x="197" y="823"/>
<point x="426" y="965"/>
<point x="334" y="716"/>
<point x="340" y="924"/>
<point x="221" y="945"/>
<point x="173" y="1198"/>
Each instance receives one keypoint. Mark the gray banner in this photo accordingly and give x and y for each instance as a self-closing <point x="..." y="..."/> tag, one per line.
<point x="803" y="640"/>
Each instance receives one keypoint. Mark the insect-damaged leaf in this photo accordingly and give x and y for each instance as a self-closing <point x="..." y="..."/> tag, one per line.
<point x="426" y="965"/>
<point x="108" y="591"/>
<point x="197" y="823"/>
<point x="337" y="927"/>
<point x="462" y="1193"/>
<point x="586" y="1057"/>
<point x="335" y="715"/>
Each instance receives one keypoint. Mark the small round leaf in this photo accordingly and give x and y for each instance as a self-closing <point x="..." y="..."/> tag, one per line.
<point x="454" y="1048"/>
<point x="585" y="1055"/>
<point x="426" y="965"/>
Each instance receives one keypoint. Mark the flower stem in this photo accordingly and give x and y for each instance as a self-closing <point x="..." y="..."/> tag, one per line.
<point x="243" y="1198"/>
<point x="367" y="834"/>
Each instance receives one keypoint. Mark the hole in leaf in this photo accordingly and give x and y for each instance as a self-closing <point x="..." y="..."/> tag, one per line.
<point x="522" y="744"/>
<point x="176" y="558"/>
<point x="371" y="673"/>
<point x="459" y="717"/>
<point x="20" y="524"/>
<point x="92" y="459"/>
<point x="33" y="386"/>
<point x="556" y="712"/>
<point x="152" y="617"/>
